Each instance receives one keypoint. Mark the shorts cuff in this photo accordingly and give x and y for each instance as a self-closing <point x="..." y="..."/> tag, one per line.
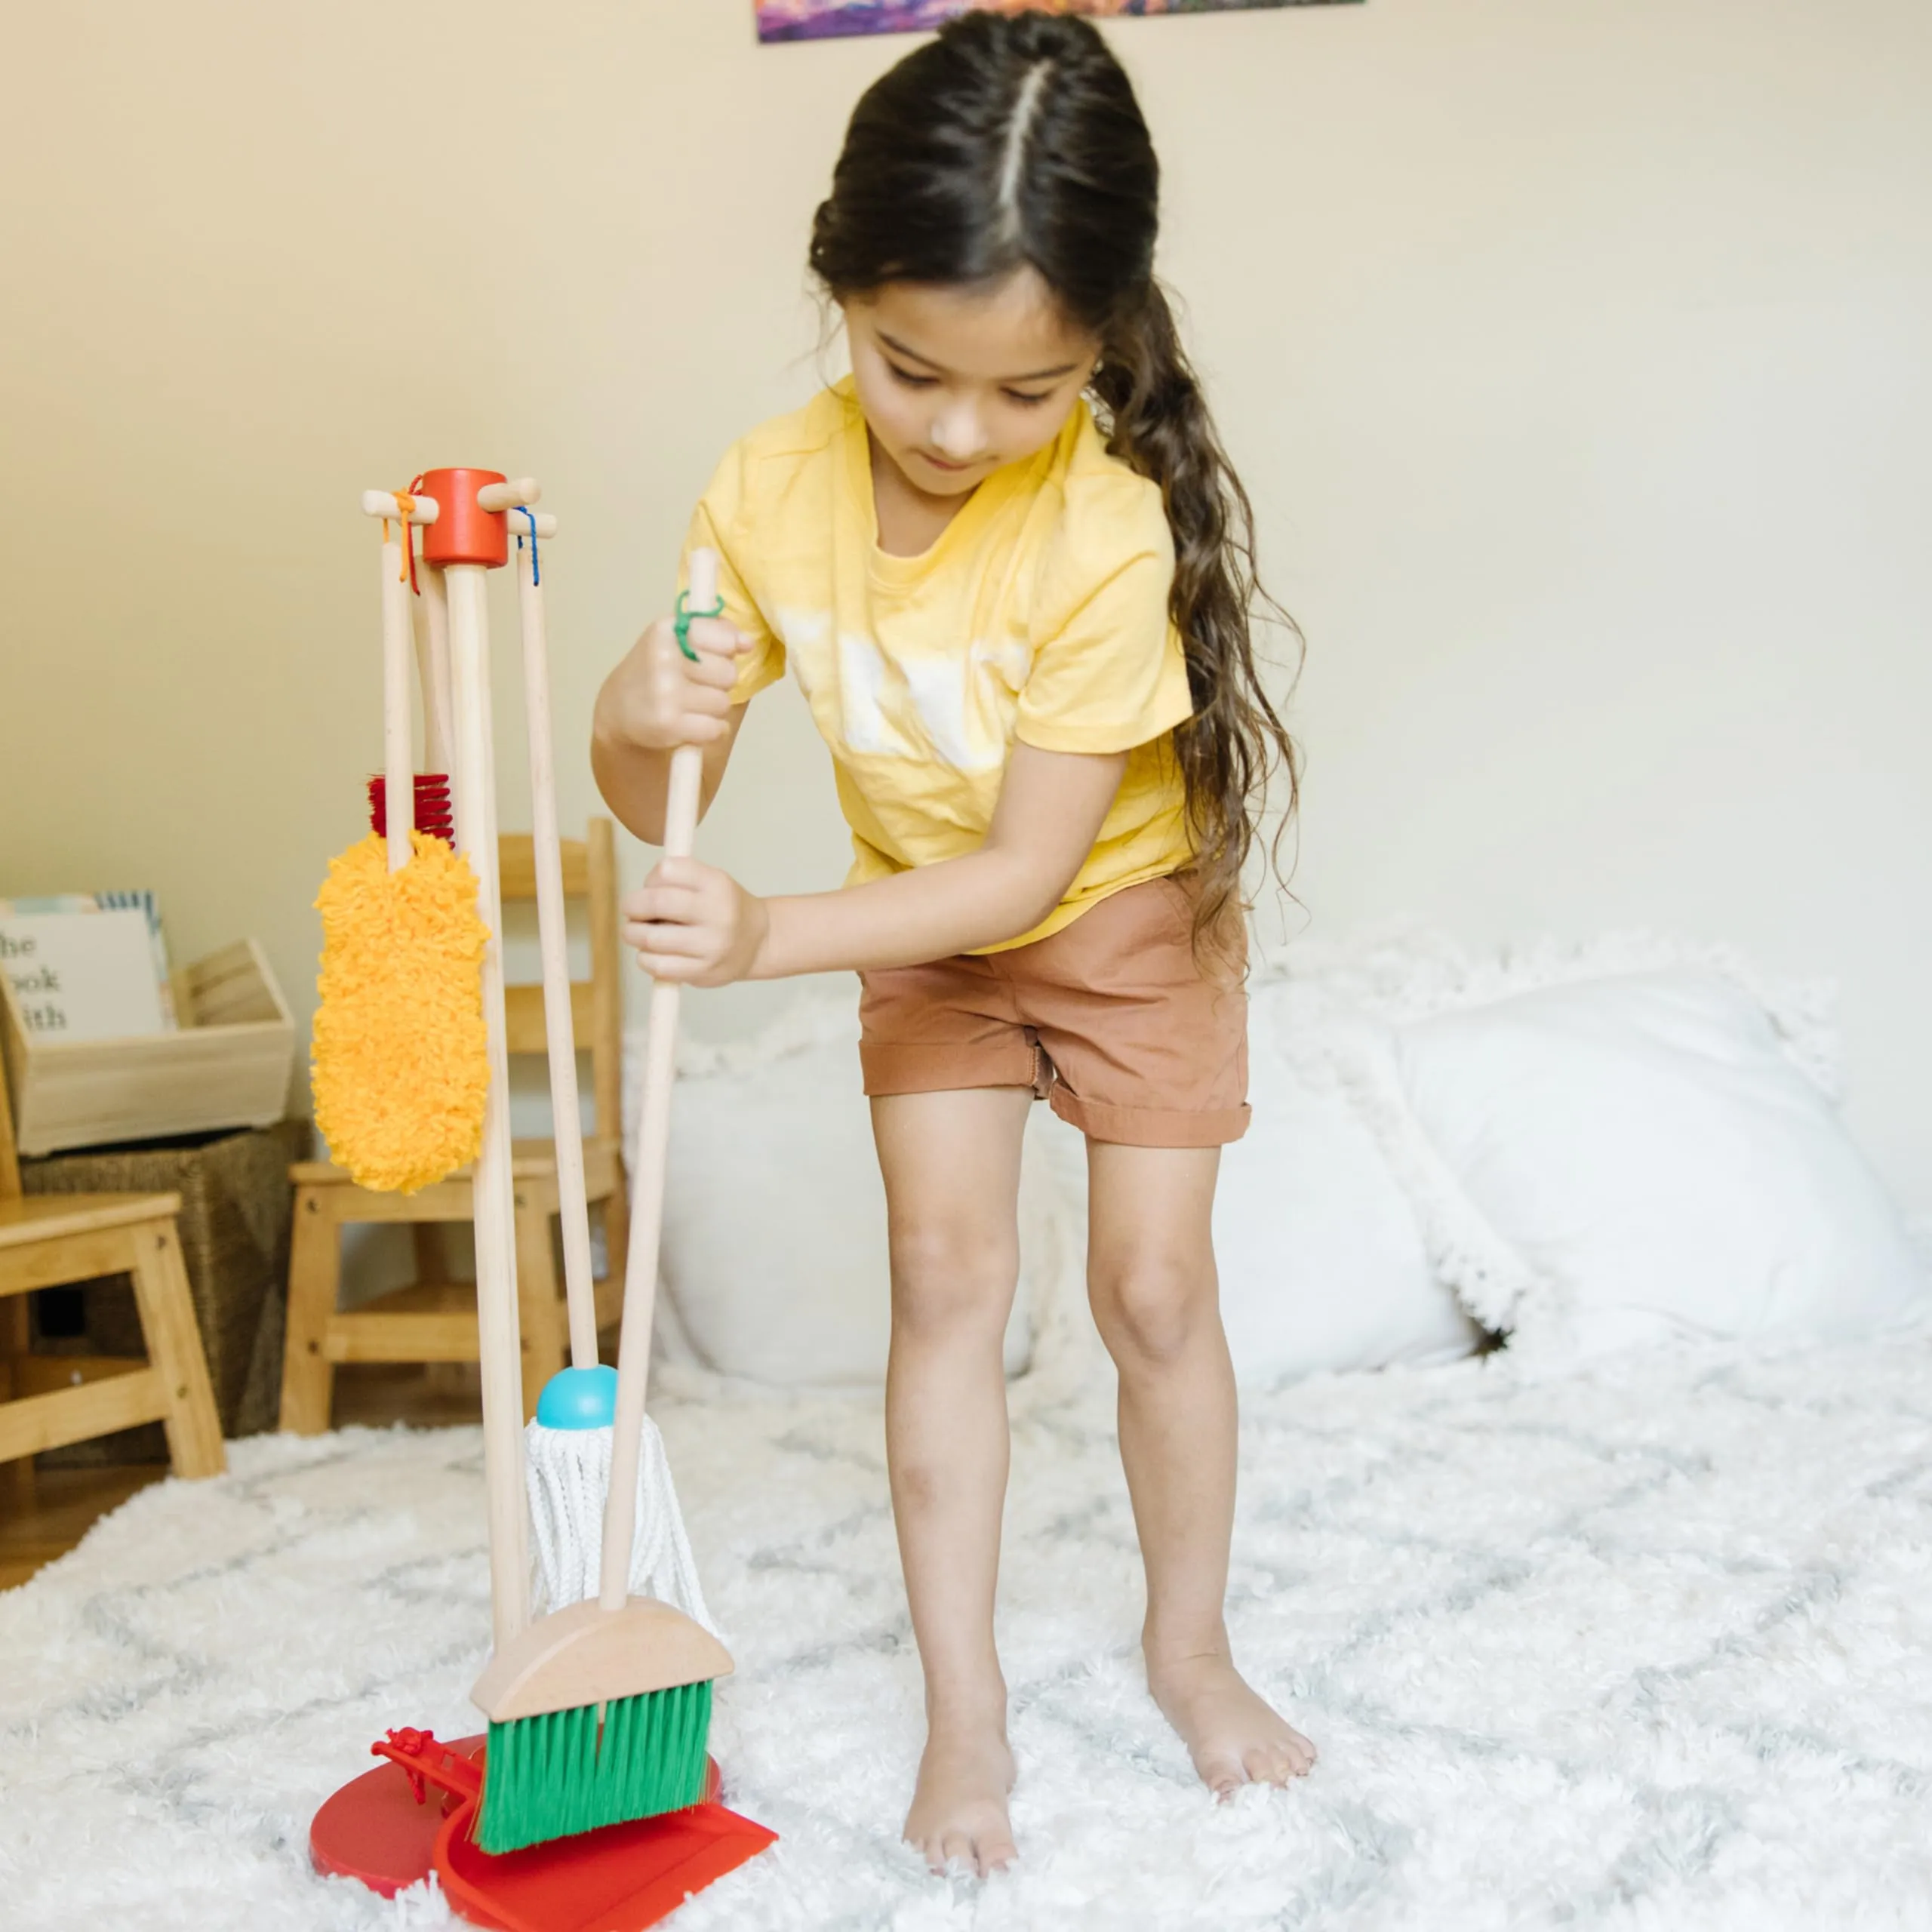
<point x="1151" y="1126"/>
<point x="892" y="1066"/>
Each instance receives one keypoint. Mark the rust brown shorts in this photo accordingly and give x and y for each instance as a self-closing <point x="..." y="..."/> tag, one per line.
<point x="1110" y="1019"/>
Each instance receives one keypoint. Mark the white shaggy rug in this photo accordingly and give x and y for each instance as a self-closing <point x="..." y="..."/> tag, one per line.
<point x="1651" y="1648"/>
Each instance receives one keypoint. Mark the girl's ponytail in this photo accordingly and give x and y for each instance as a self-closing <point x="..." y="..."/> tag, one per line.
<point x="1156" y="420"/>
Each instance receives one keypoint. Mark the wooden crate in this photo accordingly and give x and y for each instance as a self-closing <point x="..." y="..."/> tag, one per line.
<point x="226" y="1065"/>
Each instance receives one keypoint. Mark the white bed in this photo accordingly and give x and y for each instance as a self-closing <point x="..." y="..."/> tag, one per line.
<point x="1589" y="1632"/>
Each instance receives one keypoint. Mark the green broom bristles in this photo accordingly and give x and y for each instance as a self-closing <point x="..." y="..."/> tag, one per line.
<point x="548" y="1777"/>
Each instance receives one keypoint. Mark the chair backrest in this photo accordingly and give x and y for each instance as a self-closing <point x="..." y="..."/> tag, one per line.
<point x="597" y="1006"/>
<point x="10" y="1163"/>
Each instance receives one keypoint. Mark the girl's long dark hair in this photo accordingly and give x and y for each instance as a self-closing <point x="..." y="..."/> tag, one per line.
<point x="1014" y="139"/>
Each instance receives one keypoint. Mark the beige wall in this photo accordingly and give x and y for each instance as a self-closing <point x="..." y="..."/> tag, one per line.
<point x="1575" y="354"/>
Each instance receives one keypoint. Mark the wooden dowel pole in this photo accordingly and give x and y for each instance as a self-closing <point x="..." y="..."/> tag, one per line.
<point x="559" y="1032"/>
<point x="387" y="503"/>
<point x="432" y="615"/>
<point x="498" y="1341"/>
<point x="653" y="1142"/>
<point x="511" y="494"/>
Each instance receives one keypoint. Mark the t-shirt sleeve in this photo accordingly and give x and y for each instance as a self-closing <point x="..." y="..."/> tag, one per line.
<point x="1108" y="671"/>
<point x="719" y="522"/>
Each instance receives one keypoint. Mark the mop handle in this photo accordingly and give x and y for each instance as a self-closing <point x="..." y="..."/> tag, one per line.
<point x="653" y="1140"/>
<point x="559" y="1031"/>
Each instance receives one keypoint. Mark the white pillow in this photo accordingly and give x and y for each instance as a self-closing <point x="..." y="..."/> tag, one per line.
<point x="1322" y="1262"/>
<point x="1652" y="1162"/>
<point x="774" y="1264"/>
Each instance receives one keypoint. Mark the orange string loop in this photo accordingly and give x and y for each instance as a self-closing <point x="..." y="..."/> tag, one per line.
<point x="408" y="503"/>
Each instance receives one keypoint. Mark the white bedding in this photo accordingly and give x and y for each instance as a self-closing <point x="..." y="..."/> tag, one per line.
<point x="1586" y="1147"/>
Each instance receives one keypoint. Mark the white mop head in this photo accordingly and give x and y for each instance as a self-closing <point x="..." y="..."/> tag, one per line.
<point x="569" y="1472"/>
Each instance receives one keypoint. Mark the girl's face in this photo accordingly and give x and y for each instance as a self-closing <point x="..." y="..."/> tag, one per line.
<point x="956" y="381"/>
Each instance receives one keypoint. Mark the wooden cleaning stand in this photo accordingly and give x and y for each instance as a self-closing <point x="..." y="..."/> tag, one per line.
<point x="463" y="515"/>
<point x="377" y="1828"/>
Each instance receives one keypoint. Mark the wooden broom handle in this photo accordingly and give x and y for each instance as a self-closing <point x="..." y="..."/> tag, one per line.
<point x="559" y="1030"/>
<point x="653" y="1141"/>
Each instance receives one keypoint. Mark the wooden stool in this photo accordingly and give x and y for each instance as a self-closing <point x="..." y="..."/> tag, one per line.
<point x="47" y="1402"/>
<point x="432" y="1319"/>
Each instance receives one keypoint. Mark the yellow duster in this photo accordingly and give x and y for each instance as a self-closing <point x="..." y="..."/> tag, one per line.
<point x="400" y="1057"/>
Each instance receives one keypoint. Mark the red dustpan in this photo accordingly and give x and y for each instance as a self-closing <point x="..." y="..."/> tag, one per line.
<point x="382" y="1830"/>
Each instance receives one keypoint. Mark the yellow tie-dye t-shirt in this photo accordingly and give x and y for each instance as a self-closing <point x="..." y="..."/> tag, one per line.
<point x="1040" y="613"/>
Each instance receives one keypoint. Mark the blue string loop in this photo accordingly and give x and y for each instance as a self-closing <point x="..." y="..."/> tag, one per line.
<point x="535" y="568"/>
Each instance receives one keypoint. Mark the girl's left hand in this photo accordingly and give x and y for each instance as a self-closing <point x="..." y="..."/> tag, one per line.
<point x="695" y="924"/>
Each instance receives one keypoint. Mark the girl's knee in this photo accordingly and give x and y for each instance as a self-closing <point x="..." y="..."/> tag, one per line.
<point x="945" y="1280"/>
<point x="1151" y="1309"/>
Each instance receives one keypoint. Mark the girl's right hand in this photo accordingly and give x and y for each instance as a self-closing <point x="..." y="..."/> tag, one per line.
<point x="658" y="699"/>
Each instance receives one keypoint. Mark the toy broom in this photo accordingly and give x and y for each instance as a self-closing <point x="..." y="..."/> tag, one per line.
<point x="601" y="1711"/>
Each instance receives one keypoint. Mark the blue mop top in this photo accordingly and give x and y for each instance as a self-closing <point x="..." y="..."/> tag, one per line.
<point x="579" y="1399"/>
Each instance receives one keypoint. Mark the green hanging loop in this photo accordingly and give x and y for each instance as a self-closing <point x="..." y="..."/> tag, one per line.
<point x="681" y="623"/>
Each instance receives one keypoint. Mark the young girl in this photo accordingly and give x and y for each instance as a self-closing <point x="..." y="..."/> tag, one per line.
<point x="1009" y="565"/>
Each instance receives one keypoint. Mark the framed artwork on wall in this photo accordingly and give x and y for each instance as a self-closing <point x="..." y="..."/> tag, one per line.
<point x="823" y="19"/>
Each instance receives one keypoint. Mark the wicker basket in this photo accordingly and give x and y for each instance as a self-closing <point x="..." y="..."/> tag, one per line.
<point x="234" y="1221"/>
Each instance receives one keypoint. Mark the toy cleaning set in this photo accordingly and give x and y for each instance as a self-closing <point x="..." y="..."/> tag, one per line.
<point x="591" y="1804"/>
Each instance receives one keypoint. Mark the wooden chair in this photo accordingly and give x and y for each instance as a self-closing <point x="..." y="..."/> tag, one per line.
<point x="434" y="1319"/>
<point x="47" y="1402"/>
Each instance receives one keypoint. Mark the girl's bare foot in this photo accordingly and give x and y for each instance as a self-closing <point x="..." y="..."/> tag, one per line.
<point x="1234" y="1737"/>
<point x="959" y="1805"/>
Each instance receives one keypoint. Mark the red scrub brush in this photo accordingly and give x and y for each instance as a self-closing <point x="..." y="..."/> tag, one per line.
<point x="433" y="814"/>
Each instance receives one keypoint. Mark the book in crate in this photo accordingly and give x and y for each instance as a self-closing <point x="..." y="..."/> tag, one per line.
<point x="225" y="1062"/>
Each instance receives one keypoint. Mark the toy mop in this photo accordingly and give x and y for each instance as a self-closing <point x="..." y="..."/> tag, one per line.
<point x="568" y="1444"/>
<point x="594" y="1804"/>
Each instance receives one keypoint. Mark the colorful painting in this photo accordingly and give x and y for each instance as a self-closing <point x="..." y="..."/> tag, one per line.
<point x="820" y="19"/>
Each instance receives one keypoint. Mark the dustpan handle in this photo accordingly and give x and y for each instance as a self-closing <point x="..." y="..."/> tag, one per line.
<point x="653" y="1141"/>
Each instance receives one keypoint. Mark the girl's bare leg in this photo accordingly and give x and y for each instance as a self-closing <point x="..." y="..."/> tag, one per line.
<point x="951" y="1166"/>
<point x="1156" y="1296"/>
